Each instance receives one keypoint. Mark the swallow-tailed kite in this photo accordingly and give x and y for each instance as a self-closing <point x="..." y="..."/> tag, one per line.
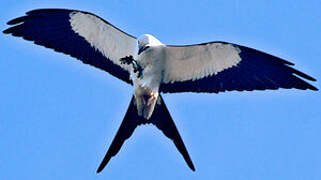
<point x="154" y="68"/>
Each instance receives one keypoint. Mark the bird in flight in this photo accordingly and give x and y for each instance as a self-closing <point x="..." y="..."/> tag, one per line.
<point x="153" y="68"/>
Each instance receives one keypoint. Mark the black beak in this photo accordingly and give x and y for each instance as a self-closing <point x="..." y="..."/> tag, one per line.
<point x="142" y="49"/>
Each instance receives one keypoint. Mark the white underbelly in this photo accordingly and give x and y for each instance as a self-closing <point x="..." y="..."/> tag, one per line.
<point x="145" y="101"/>
<point x="147" y="86"/>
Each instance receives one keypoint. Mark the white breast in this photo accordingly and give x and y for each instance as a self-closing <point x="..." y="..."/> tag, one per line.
<point x="152" y="61"/>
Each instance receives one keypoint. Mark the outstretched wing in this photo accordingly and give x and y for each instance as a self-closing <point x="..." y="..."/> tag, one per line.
<point x="220" y="66"/>
<point x="82" y="35"/>
<point x="160" y="118"/>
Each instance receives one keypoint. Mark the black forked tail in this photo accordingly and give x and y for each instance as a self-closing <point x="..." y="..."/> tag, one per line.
<point x="160" y="118"/>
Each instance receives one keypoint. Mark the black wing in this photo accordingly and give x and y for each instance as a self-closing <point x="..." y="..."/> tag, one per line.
<point x="82" y="35"/>
<point x="219" y="66"/>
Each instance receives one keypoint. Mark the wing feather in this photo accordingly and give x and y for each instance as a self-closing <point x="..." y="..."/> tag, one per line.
<point x="220" y="66"/>
<point x="82" y="35"/>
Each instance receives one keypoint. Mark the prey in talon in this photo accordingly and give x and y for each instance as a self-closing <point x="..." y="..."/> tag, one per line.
<point x="130" y="60"/>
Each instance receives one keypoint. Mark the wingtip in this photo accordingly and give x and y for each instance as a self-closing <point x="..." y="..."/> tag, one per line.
<point x="314" y="88"/>
<point x="17" y="20"/>
<point x="6" y="31"/>
<point x="311" y="87"/>
<point x="312" y="79"/>
<point x="11" y="22"/>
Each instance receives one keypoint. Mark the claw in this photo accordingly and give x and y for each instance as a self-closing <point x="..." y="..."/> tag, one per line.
<point x="130" y="60"/>
<point x="126" y="60"/>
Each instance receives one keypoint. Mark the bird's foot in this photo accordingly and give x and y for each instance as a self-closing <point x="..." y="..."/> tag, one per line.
<point x="130" y="60"/>
<point x="126" y="60"/>
<point x="137" y="68"/>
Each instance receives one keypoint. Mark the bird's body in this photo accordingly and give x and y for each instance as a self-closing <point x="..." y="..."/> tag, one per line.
<point x="154" y="68"/>
<point x="146" y="86"/>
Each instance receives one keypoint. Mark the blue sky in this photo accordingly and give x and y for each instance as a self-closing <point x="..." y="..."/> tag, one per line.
<point x="58" y="116"/>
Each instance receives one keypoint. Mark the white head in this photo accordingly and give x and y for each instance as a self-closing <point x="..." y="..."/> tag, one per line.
<point x="147" y="40"/>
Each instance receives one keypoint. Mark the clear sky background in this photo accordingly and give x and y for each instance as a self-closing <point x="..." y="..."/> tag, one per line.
<point x="58" y="116"/>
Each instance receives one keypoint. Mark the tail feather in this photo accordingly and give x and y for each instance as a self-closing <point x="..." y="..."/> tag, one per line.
<point x="125" y="130"/>
<point x="160" y="118"/>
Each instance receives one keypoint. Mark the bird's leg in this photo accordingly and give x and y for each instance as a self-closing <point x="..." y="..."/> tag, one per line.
<point x="130" y="60"/>
<point x="137" y="68"/>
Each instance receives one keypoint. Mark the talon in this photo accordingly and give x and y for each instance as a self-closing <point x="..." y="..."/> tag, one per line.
<point x="137" y="68"/>
<point x="126" y="60"/>
<point x="130" y="60"/>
